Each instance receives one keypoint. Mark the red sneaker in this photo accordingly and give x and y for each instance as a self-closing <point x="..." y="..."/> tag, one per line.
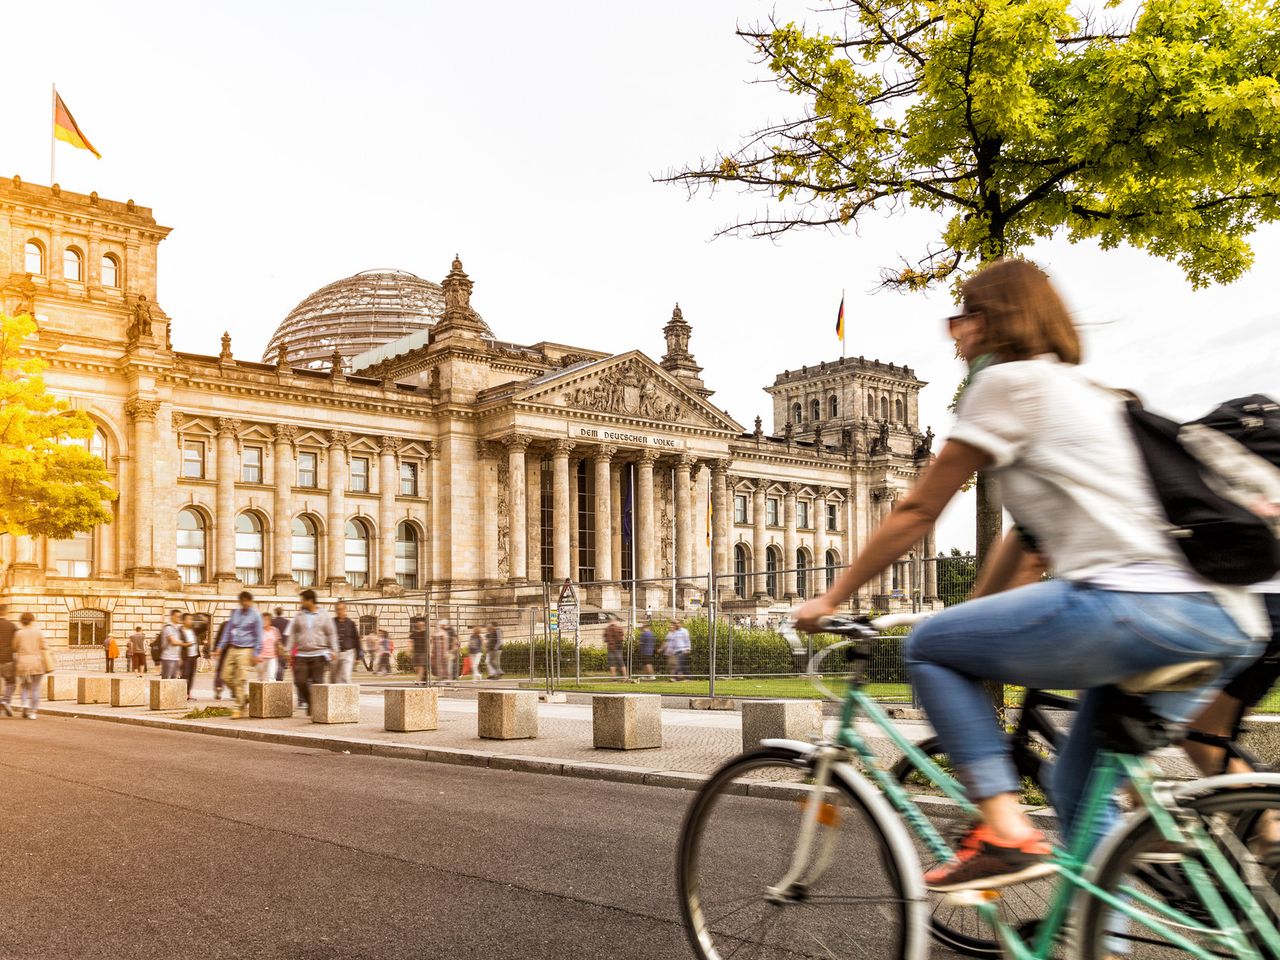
<point x="984" y="861"/>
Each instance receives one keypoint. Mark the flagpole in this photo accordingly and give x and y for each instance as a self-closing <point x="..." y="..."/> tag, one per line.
<point x="53" y="143"/>
<point x="842" y="325"/>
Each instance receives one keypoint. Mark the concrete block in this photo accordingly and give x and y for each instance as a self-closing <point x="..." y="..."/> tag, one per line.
<point x="335" y="703"/>
<point x="413" y="708"/>
<point x="779" y="719"/>
<point x="93" y="689"/>
<point x="128" y="692"/>
<point x="507" y="714"/>
<point x="627" y="721"/>
<point x="712" y="703"/>
<point x="60" y="686"/>
<point x="168" y="694"/>
<point x="270" y="699"/>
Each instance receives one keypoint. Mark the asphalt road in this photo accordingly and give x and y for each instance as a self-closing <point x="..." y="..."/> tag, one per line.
<point x="122" y="842"/>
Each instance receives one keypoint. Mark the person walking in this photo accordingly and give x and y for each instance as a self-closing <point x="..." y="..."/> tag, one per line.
<point x="439" y="651"/>
<point x="29" y="652"/>
<point x="424" y="655"/>
<point x="190" y="653"/>
<point x="281" y="623"/>
<point x="348" y="645"/>
<point x="648" y="644"/>
<point x="171" y="647"/>
<point x="270" y="653"/>
<point x="7" y="674"/>
<point x="111" y="650"/>
<point x="385" y="648"/>
<point x="454" y="648"/>
<point x="678" y="646"/>
<point x="369" y="649"/>
<point x="493" y="652"/>
<point x="313" y="640"/>
<point x="242" y="640"/>
<point x="475" y="647"/>
<point x="615" y="648"/>
<point x="138" y="651"/>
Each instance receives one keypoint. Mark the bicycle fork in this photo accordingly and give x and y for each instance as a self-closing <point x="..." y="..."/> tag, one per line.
<point x="818" y="824"/>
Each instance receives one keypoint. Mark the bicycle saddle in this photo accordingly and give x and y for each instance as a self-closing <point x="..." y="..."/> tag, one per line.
<point x="1172" y="679"/>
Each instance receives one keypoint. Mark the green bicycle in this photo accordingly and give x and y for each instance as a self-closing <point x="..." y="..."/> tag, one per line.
<point x="812" y="849"/>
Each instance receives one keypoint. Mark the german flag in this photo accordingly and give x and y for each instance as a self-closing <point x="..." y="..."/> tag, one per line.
<point x="66" y="129"/>
<point x="840" y="320"/>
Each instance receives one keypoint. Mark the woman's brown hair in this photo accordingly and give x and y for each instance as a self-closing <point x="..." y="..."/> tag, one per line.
<point x="1022" y="312"/>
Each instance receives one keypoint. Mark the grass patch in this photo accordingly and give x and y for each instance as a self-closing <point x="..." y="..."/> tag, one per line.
<point x="796" y="688"/>
<point x="207" y="713"/>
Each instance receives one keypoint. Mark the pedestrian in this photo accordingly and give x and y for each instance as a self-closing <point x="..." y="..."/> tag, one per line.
<point x="423" y="660"/>
<point x="219" y="657"/>
<point x="678" y="647"/>
<point x="493" y="652"/>
<point x="30" y="663"/>
<point x="475" y="648"/>
<point x="348" y="645"/>
<point x="267" y="658"/>
<point x="242" y="641"/>
<point x="454" y="648"/>
<point x="171" y="647"/>
<point x="648" y="644"/>
<point x="190" y="653"/>
<point x="385" y="647"/>
<point x="138" y="651"/>
<point x="369" y="649"/>
<point x="439" y="653"/>
<point x="112" y="650"/>
<point x="279" y="621"/>
<point x="314" y="643"/>
<point x="615" y="648"/>
<point x="7" y="675"/>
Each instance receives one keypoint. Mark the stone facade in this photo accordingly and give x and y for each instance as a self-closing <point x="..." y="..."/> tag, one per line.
<point x="448" y="461"/>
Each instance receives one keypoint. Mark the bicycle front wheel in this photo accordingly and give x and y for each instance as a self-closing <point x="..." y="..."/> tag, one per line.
<point x="771" y="866"/>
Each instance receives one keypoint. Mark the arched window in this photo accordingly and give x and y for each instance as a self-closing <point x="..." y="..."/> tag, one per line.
<point x="884" y="408"/>
<point x="772" y="560"/>
<point x="833" y="406"/>
<point x="306" y="544"/>
<point x="87" y="628"/>
<point x="72" y="265"/>
<point x="191" y="545"/>
<point x="110" y="270"/>
<point x="407" y="555"/>
<point x="249" y="549"/>
<point x="897" y="411"/>
<point x="802" y="574"/>
<point x="740" y="569"/>
<point x="815" y="409"/>
<point x="33" y="257"/>
<point x="73" y="557"/>
<point x="357" y="553"/>
<point x="98" y="445"/>
<point x="797" y="413"/>
<point x="832" y="561"/>
<point x="871" y="405"/>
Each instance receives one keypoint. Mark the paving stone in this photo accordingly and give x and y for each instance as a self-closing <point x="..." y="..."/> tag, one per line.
<point x="128" y="692"/>
<point x="627" y="721"/>
<point x="413" y="708"/>
<point x="507" y="714"/>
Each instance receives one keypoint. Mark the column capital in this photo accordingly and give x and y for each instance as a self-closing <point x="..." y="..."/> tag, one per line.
<point x="339" y="438"/>
<point x="517" y="442"/>
<point x="139" y="409"/>
<point x="648" y="456"/>
<point x="605" y="452"/>
<point x="825" y="492"/>
<point x="684" y="462"/>
<point x="228" y="427"/>
<point x="389" y="444"/>
<point x="562" y="448"/>
<point x="284" y="432"/>
<point x="792" y="489"/>
<point x="719" y="467"/>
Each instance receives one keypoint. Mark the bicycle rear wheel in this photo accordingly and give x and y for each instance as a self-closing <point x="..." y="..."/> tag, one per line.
<point x="744" y="891"/>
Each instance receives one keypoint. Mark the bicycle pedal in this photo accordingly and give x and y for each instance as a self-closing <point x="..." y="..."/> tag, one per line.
<point x="970" y="898"/>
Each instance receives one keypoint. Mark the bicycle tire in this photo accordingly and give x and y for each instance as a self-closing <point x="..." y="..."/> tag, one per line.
<point x="887" y="837"/>
<point x="1115" y="861"/>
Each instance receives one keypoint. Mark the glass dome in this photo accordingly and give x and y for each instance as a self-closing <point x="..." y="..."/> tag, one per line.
<point x="355" y="314"/>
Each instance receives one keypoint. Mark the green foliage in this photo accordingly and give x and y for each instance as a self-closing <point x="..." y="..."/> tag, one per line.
<point x="50" y="484"/>
<point x="207" y="713"/>
<point x="1018" y="119"/>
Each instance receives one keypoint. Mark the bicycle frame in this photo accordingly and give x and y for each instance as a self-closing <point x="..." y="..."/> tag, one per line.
<point x="1212" y="875"/>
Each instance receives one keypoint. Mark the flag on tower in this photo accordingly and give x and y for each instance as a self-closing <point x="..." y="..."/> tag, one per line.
<point x="66" y="129"/>
<point x="840" y="320"/>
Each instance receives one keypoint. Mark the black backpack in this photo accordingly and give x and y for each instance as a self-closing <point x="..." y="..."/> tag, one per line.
<point x="157" y="646"/>
<point x="1223" y="540"/>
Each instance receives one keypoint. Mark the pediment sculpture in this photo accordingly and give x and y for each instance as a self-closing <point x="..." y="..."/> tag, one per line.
<point x="628" y="389"/>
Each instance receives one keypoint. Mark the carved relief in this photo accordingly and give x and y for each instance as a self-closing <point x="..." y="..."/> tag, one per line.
<point x="389" y="444"/>
<point x="227" y="426"/>
<point x="339" y="438"/>
<point x="628" y="389"/>
<point x="139" y="409"/>
<point x="284" y="432"/>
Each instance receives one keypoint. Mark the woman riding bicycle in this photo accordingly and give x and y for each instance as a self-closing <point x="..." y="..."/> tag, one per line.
<point x="1123" y="601"/>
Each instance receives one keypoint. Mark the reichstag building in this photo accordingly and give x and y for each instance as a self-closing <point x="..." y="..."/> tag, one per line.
<point x="391" y="443"/>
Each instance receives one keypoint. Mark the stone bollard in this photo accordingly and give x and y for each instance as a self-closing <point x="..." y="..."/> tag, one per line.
<point x="93" y="689"/>
<point x="411" y="709"/>
<point x="128" y="692"/>
<point x="779" y="720"/>
<point x="168" y="694"/>
<point x="507" y="714"/>
<point x="270" y="699"/>
<point x="626" y="721"/>
<point x="335" y="703"/>
<point x="60" y="686"/>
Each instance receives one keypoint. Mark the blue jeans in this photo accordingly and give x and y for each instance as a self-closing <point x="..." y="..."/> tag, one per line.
<point x="1060" y="635"/>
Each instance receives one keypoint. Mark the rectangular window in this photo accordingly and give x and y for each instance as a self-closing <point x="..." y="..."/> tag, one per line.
<point x="771" y="511"/>
<point x="408" y="479"/>
<point x="833" y="517"/>
<point x="251" y="465"/>
<point x="739" y="508"/>
<point x="306" y="469"/>
<point x="73" y="557"/>
<point x="802" y="514"/>
<point x="193" y="460"/>
<point x="360" y="474"/>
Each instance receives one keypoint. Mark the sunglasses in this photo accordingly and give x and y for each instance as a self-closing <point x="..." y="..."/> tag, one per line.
<point x="966" y="314"/>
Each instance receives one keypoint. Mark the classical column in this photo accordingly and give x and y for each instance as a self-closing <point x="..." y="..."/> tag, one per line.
<point x="143" y="414"/>
<point x="560" y="562"/>
<point x="931" y="565"/>
<point x="604" y="512"/>
<point x="617" y="503"/>
<point x="575" y="535"/>
<point x="759" y="548"/>
<point x="282" y="506"/>
<point x="644" y="519"/>
<point x="819" y="521"/>
<point x="517" y="534"/>
<point x="684" y="517"/>
<point x="336" y="518"/>
<point x="224" y="523"/>
<point x="388" y="487"/>
<point x="533" y="514"/>
<point x="789" y="540"/>
<point x="489" y="500"/>
<point x="720" y="517"/>
<point x="886" y="507"/>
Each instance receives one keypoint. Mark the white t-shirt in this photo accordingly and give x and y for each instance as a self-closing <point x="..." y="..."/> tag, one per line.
<point x="1069" y="471"/>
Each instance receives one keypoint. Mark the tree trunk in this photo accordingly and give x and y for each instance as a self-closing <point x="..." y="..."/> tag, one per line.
<point x="990" y="520"/>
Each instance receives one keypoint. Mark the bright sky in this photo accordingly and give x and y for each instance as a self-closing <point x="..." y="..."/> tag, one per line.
<point x="290" y="144"/>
